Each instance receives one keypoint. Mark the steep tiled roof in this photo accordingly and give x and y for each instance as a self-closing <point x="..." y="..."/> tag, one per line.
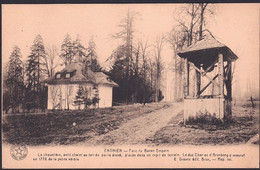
<point x="78" y="74"/>
<point x="101" y="78"/>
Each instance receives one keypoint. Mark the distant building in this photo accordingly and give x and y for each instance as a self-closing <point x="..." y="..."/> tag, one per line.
<point x="64" y="85"/>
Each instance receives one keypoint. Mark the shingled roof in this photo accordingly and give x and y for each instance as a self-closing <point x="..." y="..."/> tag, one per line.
<point x="208" y="45"/>
<point x="77" y="74"/>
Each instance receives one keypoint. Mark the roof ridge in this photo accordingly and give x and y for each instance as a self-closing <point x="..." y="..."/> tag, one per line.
<point x="81" y="75"/>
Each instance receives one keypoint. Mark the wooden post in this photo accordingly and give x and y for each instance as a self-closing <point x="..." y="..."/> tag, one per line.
<point x="252" y="101"/>
<point x="229" y="80"/>
<point x="221" y="74"/>
<point x="187" y="70"/>
<point x="198" y="82"/>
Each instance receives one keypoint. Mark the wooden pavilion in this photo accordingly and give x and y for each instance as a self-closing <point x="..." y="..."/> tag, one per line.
<point x="208" y="78"/>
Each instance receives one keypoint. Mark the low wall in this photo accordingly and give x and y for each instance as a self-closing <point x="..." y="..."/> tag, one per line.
<point x="219" y="106"/>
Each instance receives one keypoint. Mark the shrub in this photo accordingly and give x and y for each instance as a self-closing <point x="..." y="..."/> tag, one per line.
<point x="205" y="120"/>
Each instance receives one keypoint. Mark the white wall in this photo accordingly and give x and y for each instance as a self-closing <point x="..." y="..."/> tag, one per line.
<point x="64" y="94"/>
<point x="105" y="96"/>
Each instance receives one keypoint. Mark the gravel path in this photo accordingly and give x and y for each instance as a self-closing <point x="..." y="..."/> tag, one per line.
<point x="137" y="130"/>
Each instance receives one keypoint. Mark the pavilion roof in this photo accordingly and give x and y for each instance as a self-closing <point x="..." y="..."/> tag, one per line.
<point x="208" y="46"/>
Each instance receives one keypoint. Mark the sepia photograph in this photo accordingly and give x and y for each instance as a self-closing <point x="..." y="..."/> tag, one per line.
<point x="130" y="85"/>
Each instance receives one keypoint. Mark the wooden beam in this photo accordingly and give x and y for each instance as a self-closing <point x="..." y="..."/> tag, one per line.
<point x="226" y="71"/>
<point x="187" y="70"/>
<point x="229" y="81"/>
<point x="221" y="74"/>
<point x="206" y="71"/>
<point x="208" y="77"/>
<point x="198" y="82"/>
<point x="205" y="87"/>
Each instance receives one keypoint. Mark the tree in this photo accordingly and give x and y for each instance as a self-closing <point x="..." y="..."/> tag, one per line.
<point x="67" y="50"/>
<point x="7" y="101"/>
<point x="151" y="69"/>
<point x="191" y="21"/>
<point x="79" y="99"/>
<point x="87" y="100"/>
<point x="177" y="39"/>
<point x="124" y="55"/>
<point x="84" y="97"/>
<point x="34" y="74"/>
<point x="34" y="69"/>
<point x="91" y="58"/>
<point x="88" y="56"/>
<point x="48" y="61"/>
<point x="68" y="94"/>
<point x="144" y="47"/>
<point x="137" y="53"/>
<point x="206" y="10"/>
<point x="118" y="74"/>
<point x="188" y="19"/>
<point x="54" y="91"/>
<point x="158" y="61"/>
<point x="78" y="47"/>
<point x="14" y="81"/>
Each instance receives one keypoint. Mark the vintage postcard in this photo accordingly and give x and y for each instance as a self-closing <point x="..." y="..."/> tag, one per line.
<point x="130" y="85"/>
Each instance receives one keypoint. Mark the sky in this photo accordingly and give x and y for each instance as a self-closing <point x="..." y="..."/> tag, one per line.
<point x="235" y="25"/>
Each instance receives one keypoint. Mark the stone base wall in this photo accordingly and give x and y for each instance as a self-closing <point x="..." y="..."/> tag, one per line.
<point x="219" y="107"/>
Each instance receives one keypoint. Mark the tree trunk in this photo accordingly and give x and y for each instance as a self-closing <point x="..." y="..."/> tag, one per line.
<point x="175" y="77"/>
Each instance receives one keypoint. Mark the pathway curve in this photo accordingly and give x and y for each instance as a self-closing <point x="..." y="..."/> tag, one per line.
<point x="137" y="130"/>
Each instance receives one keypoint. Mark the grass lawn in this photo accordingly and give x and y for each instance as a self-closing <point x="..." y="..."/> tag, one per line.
<point x="69" y="127"/>
<point x="245" y="125"/>
<point x="72" y="127"/>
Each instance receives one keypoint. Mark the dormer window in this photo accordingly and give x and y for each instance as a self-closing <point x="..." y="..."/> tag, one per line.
<point x="58" y="76"/>
<point x="67" y="76"/>
<point x="108" y="79"/>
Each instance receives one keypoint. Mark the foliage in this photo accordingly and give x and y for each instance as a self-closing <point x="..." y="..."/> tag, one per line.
<point x="79" y="99"/>
<point x="67" y="50"/>
<point x="33" y="70"/>
<point x="70" y="49"/>
<point x="34" y="73"/>
<point x="91" y="58"/>
<point x="205" y="118"/>
<point x="87" y="101"/>
<point x="131" y="67"/>
<point x="14" y="92"/>
<point x="84" y="97"/>
<point x="95" y="100"/>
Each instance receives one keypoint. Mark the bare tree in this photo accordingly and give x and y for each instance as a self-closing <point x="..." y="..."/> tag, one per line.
<point x="124" y="54"/>
<point x="206" y="10"/>
<point x="53" y="92"/>
<point x="176" y="39"/>
<point x="136" y="70"/>
<point x="49" y="62"/>
<point x="151" y="65"/>
<point x="68" y="97"/>
<point x="158" y="61"/>
<point x="127" y="35"/>
<point x="191" y="21"/>
<point x="187" y="20"/>
<point x="144" y="47"/>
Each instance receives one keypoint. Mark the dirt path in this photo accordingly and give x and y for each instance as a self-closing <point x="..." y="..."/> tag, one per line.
<point x="137" y="130"/>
